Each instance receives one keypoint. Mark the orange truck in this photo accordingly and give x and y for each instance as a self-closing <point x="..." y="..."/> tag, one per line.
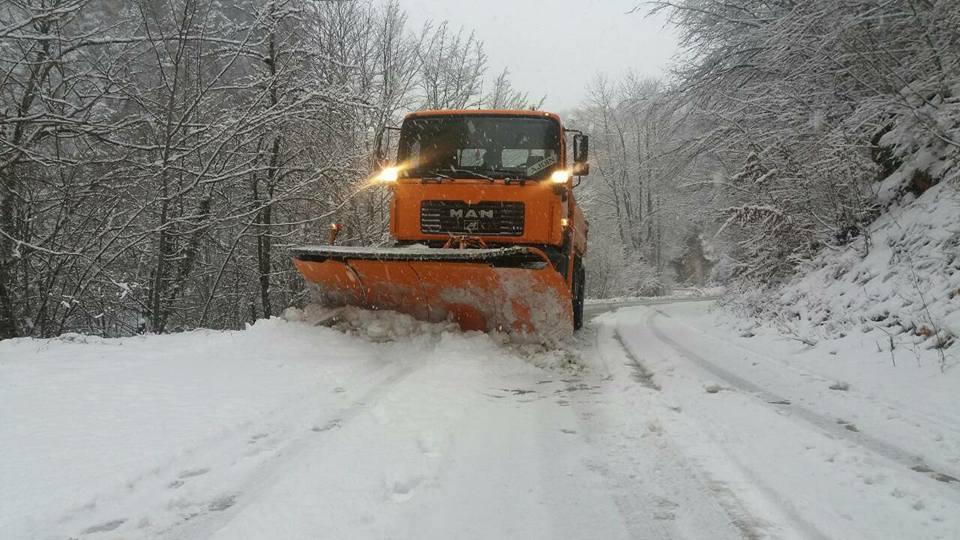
<point x="487" y="230"/>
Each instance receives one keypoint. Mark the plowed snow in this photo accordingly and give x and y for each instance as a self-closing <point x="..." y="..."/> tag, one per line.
<point x="656" y="422"/>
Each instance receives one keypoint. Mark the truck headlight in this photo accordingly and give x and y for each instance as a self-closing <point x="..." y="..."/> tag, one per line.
<point x="388" y="174"/>
<point x="560" y="177"/>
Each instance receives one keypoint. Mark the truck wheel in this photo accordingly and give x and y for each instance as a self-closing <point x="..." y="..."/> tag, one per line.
<point x="579" y="288"/>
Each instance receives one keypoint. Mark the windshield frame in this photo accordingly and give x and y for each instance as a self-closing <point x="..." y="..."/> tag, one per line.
<point x="552" y="156"/>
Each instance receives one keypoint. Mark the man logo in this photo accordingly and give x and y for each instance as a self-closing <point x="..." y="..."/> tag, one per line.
<point x="471" y="214"/>
<point x="486" y="218"/>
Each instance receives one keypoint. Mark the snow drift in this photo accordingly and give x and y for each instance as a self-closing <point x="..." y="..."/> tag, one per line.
<point x="901" y="279"/>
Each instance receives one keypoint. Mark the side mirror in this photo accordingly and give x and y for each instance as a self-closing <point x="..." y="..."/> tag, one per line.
<point x="383" y="146"/>
<point x="581" y="155"/>
<point x="379" y="154"/>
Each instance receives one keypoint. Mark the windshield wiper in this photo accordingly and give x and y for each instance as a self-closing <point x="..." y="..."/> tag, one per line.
<point x="434" y="174"/>
<point x="474" y="173"/>
<point x="509" y="176"/>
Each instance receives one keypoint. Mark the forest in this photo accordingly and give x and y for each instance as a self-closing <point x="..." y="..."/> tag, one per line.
<point x="158" y="158"/>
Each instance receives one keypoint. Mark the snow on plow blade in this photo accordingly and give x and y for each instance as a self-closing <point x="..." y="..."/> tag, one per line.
<point x="512" y="289"/>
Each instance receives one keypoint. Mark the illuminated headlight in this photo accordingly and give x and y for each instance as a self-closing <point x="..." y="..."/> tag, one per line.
<point x="560" y="177"/>
<point x="388" y="174"/>
<point x="564" y="222"/>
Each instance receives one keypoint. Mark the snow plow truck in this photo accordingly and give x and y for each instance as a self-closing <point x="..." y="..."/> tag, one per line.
<point x="487" y="230"/>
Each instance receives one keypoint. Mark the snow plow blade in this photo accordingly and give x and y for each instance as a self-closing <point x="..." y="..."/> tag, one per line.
<point x="514" y="289"/>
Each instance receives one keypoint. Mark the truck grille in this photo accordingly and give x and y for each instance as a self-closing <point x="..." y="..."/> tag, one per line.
<point x="490" y="218"/>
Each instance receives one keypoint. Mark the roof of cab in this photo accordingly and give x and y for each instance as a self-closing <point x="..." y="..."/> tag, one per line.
<point x="485" y="112"/>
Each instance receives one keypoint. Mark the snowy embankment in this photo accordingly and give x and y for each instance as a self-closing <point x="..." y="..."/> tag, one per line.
<point x="899" y="285"/>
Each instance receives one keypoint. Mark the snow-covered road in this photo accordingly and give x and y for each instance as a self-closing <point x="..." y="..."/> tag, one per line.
<point x="657" y="422"/>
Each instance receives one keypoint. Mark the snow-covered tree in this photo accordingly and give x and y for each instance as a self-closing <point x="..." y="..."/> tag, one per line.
<point x="807" y="104"/>
<point x="504" y="96"/>
<point x="645" y="192"/>
<point x="157" y="157"/>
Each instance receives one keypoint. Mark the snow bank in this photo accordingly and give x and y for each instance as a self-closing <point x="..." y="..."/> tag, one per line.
<point x="376" y="326"/>
<point x="383" y="326"/>
<point x="901" y="280"/>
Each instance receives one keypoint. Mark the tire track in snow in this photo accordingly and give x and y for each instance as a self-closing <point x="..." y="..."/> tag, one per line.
<point x="220" y="456"/>
<point x="672" y="488"/>
<point x="932" y="417"/>
<point x="903" y="411"/>
<point x="641" y="374"/>
<point x="747" y="523"/>
<point x="243" y="493"/>
<point x="909" y="413"/>
<point x="830" y="426"/>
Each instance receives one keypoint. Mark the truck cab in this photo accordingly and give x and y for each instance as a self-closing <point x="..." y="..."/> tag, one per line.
<point x="489" y="177"/>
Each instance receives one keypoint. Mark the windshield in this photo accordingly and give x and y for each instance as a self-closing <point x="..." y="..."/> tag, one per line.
<point x="479" y="147"/>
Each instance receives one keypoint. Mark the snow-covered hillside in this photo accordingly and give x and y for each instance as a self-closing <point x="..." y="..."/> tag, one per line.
<point x="656" y="422"/>
<point x="899" y="284"/>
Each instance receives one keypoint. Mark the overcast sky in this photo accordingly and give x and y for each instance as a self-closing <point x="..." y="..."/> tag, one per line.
<point x="555" y="47"/>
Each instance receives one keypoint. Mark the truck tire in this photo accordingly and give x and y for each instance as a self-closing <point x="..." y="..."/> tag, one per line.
<point x="579" y="289"/>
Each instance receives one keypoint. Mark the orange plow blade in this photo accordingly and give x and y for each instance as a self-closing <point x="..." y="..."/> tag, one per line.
<point x="514" y="289"/>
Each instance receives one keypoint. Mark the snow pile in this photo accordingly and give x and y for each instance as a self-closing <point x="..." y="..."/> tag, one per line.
<point x="901" y="280"/>
<point x="384" y="326"/>
<point x="377" y="326"/>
